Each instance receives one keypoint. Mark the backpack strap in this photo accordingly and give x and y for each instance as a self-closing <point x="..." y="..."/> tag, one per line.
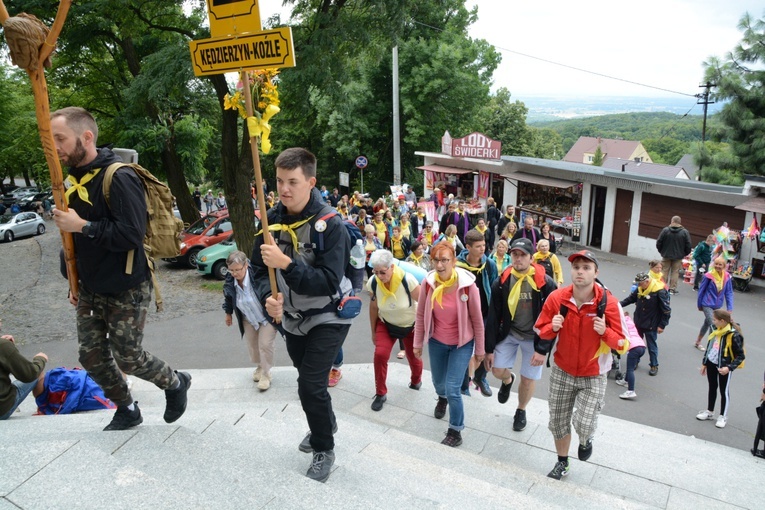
<point x="403" y="282"/>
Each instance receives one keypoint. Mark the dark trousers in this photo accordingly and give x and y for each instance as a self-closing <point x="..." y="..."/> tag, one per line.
<point x="716" y="381"/>
<point x="313" y="355"/>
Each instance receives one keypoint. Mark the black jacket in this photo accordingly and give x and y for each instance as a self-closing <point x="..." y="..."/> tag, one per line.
<point x="652" y="311"/>
<point x="102" y="259"/>
<point x="499" y="321"/>
<point x="674" y="242"/>
<point x="731" y="350"/>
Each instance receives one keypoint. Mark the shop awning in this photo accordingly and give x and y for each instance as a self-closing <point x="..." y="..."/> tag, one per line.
<point x="445" y="169"/>
<point x="756" y="205"/>
<point x="541" y="180"/>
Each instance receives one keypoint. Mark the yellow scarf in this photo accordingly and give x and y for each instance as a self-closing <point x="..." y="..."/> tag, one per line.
<point x="653" y="286"/>
<point x="655" y="275"/>
<point x="396" y="246"/>
<point x="481" y="230"/>
<point x="82" y="191"/>
<point x="719" y="279"/>
<point x="500" y="263"/>
<point x="382" y="230"/>
<point x="395" y="281"/>
<point x="719" y="332"/>
<point x="472" y="269"/>
<point x="429" y="238"/>
<point x="370" y="245"/>
<point x="420" y="215"/>
<point x="542" y="256"/>
<point x="415" y="258"/>
<point x="290" y="229"/>
<point x="515" y="292"/>
<point x="438" y="293"/>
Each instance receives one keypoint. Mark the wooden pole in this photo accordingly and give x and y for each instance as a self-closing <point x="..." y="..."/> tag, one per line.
<point x="42" y="111"/>
<point x="267" y="238"/>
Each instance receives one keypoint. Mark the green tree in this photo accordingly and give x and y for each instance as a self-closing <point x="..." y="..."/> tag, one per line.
<point x="739" y="80"/>
<point x="505" y="120"/>
<point x="546" y="144"/>
<point x="597" y="159"/>
<point x="666" y="150"/>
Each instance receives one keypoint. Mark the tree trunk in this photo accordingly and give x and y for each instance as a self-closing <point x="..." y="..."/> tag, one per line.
<point x="176" y="180"/>
<point x="236" y="179"/>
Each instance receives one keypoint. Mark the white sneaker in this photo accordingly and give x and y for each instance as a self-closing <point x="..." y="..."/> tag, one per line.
<point x="628" y="395"/>
<point x="621" y="382"/>
<point x="721" y="422"/>
<point x="705" y="415"/>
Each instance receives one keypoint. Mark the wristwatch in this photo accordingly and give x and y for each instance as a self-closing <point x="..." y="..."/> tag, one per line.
<point x="87" y="230"/>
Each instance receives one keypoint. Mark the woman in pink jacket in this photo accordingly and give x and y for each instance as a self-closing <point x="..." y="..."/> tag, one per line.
<point x="449" y="317"/>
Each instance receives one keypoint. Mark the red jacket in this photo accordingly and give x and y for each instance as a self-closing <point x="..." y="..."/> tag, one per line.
<point x="580" y="351"/>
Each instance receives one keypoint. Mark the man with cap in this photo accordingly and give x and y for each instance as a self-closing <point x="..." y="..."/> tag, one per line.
<point x="586" y="320"/>
<point x="652" y="312"/>
<point x="516" y="302"/>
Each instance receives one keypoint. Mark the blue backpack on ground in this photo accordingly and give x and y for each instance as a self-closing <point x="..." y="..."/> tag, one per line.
<point x="69" y="391"/>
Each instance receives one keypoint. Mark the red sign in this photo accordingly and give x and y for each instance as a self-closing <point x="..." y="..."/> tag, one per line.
<point x="474" y="145"/>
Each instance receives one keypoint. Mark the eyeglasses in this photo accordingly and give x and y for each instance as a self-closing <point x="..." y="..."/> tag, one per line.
<point x="379" y="272"/>
<point x="442" y="261"/>
<point x="236" y="270"/>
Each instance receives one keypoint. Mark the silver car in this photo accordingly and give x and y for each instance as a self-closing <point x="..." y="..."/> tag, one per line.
<point x="20" y="224"/>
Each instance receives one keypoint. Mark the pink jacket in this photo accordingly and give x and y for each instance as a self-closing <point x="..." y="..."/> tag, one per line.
<point x="469" y="317"/>
<point x="634" y="337"/>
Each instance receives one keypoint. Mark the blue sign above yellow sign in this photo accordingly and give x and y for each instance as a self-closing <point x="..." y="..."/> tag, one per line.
<point x="233" y="17"/>
<point x="272" y="48"/>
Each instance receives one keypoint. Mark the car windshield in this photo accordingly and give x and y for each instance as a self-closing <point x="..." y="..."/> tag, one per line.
<point x="199" y="226"/>
<point x="6" y="218"/>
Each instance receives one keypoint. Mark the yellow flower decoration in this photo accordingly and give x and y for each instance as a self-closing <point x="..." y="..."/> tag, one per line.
<point x="265" y="103"/>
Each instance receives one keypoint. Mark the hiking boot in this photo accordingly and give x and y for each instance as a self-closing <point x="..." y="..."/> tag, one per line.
<point x="440" y="410"/>
<point x="721" y="422"/>
<point x="483" y="386"/>
<point x="378" y="402"/>
<point x="124" y="418"/>
<point x="559" y="471"/>
<point x="321" y="466"/>
<point x="334" y="377"/>
<point x="453" y="438"/>
<point x="705" y="415"/>
<point x="628" y="395"/>
<point x="504" y="390"/>
<point x="415" y="386"/>
<point x="265" y="382"/>
<point x="177" y="398"/>
<point x="519" y="421"/>
<point x="305" y="444"/>
<point x="585" y="451"/>
<point x="653" y="370"/>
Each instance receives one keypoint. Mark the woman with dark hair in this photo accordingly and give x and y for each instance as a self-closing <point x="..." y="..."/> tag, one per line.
<point x="544" y="230"/>
<point x="449" y="318"/>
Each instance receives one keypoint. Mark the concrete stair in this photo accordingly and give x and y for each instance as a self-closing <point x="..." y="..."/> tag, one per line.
<point x="236" y="447"/>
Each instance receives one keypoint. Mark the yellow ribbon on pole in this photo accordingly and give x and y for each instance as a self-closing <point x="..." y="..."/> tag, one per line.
<point x="260" y="127"/>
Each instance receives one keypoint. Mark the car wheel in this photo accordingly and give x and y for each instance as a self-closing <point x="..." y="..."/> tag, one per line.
<point x="9" y="236"/>
<point x="191" y="257"/>
<point x="220" y="270"/>
<point x="40" y="230"/>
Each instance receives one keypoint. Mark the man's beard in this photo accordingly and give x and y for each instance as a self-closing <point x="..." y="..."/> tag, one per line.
<point x="75" y="158"/>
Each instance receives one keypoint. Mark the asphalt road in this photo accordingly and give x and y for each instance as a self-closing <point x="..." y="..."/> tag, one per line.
<point x="669" y="401"/>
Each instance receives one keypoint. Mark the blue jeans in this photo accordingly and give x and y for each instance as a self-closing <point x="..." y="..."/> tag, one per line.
<point x="653" y="347"/>
<point x="22" y="391"/>
<point x="447" y="366"/>
<point x="633" y="358"/>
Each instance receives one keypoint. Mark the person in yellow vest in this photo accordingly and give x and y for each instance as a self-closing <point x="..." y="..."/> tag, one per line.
<point x="399" y="245"/>
<point x="549" y="261"/>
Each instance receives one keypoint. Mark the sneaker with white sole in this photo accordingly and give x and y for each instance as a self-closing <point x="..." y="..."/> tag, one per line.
<point x="721" y="422"/>
<point x="621" y="382"/>
<point x="705" y="415"/>
<point x="628" y="395"/>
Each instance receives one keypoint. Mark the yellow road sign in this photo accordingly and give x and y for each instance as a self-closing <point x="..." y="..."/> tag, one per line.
<point x="233" y="17"/>
<point x="219" y="55"/>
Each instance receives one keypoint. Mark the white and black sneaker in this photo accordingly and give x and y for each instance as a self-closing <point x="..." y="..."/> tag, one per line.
<point x="559" y="471"/>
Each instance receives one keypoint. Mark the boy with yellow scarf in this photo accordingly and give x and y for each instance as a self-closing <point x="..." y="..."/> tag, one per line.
<point x="652" y="312"/>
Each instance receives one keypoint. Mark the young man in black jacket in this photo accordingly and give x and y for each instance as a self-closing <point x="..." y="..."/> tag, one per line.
<point x="652" y="312"/>
<point x="112" y="304"/>
<point x="310" y="255"/>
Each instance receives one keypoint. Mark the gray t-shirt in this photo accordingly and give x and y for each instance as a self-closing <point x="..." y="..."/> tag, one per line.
<point x="523" y="323"/>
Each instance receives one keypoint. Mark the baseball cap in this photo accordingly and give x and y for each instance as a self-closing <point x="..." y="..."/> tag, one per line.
<point x="583" y="254"/>
<point x="641" y="277"/>
<point x="524" y="245"/>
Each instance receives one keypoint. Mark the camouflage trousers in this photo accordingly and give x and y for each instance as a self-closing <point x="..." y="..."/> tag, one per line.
<point x="110" y="332"/>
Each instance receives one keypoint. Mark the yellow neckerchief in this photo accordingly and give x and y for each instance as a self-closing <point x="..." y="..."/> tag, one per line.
<point x="290" y="229"/>
<point x="473" y="269"/>
<point x="515" y="292"/>
<point x="510" y="217"/>
<point x="653" y="286"/>
<point x="82" y="191"/>
<point x="415" y="258"/>
<point x="395" y="244"/>
<point x="370" y="244"/>
<point x="460" y="211"/>
<point x="656" y="276"/>
<point x="420" y="215"/>
<point x="395" y="281"/>
<point x="542" y="256"/>
<point x="500" y="263"/>
<point x="719" y="279"/>
<point x="429" y="237"/>
<point x="481" y="230"/>
<point x="382" y="230"/>
<point x="719" y="332"/>
<point x="438" y="292"/>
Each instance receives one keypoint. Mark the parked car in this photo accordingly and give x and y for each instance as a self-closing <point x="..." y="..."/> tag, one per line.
<point x="212" y="260"/>
<point x="20" y="224"/>
<point x="209" y="230"/>
<point x="19" y="193"/>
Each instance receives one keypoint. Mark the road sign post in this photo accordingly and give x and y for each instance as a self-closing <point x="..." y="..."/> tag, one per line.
<point x="361" y="164"/>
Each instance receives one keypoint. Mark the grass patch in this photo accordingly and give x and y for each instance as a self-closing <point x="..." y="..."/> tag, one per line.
<point x="216" y="286"/>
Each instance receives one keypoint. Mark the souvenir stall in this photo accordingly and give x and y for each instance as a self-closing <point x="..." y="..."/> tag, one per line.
<point x="560" y="207"/>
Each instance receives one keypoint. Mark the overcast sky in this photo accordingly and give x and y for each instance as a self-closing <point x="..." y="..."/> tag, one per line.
<point x="656" y="42"/>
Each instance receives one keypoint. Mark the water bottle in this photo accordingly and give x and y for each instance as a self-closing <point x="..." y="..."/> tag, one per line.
<point x="358" y="255"/>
